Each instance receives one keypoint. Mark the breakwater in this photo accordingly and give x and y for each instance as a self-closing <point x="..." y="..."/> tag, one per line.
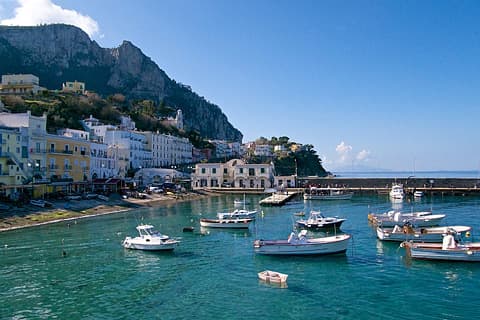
<point x="453" y="186"/>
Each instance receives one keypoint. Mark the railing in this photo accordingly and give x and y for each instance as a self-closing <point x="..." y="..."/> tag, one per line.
<point x="60" y="151"/>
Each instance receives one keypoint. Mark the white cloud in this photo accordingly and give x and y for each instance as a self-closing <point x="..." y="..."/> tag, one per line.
<point x="343" y="151"/>
<point x="363" y="155"/>
<point x="35" y="12"/>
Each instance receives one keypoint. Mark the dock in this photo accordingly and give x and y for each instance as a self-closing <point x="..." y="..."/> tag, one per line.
<point x="277" y="199"/>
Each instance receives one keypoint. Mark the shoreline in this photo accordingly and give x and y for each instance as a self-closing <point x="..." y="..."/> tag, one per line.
<point x="30" y="216"/>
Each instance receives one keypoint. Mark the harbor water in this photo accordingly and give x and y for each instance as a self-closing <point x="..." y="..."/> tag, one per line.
<point x="79" y="270"/>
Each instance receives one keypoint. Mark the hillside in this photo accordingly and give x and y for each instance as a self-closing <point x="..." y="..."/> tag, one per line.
<point x="59" y="53"/>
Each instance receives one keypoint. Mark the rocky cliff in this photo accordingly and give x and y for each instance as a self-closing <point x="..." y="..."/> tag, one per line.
<point x="59" y="53"/>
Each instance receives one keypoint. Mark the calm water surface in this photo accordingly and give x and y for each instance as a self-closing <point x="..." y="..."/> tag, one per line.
<point x="213" y="273"/>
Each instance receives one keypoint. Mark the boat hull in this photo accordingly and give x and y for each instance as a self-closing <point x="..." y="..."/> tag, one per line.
<point x="467" y="253"/>
<point x="433" y="235"/>
<point x="272" y="277"/>
<point x="154" y="246"/>
<point x="419" y="222"/>
<point x="320" y="225"/>
<point x="318" y="246"/>
<point x="226" y="223"/>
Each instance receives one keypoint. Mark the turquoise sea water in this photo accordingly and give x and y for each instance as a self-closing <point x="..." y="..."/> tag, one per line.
<point x="213" y="273"/>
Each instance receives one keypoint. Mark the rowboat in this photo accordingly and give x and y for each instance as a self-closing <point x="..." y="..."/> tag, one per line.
<point x="226" y="223"/>
<point x="408" y="233"/>
<point x="301" y="245"/>
<point x="448" y="250"/>
<point x="272" y="277"/>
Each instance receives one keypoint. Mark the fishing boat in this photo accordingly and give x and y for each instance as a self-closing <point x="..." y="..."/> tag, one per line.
<point x="374" y="217"/>
<point x="240" y="202"/>
<point x="238" y="214"/>
<point x="301" y="245"/>
<point x="226" y="223"/>
<point x="315" y="193"/>
<point x="418" y="194"/>
<point x="317" y="221"/>
<point x="397" y="192"/>
<point x="273" y="277"/>
<point x="419" y="221"/>
<point x="448" y="250"/>
<point x="150" y="239"/>
<point x="408" y="233"/>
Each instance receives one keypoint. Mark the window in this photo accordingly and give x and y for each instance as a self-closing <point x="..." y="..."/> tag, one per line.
<point x="225" y="170"/>
<point x="203" y="170"/>
<point x="214" y="170"/>
<point x="241" y="170"/>
<point x="251" y="171"/>
<point x="52" y="147"/>
<point x="262" y="170"/>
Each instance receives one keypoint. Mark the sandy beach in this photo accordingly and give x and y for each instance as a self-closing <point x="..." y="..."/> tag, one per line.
<point x="29" y="215"/>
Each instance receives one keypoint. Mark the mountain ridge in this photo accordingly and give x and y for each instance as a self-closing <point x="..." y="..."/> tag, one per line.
<point x="57" y="53"/>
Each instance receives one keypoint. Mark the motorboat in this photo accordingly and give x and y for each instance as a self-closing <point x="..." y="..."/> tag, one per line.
<point x="150" y="239"/>
<point x="418" y="194"/>
<point x="226" y="223"/>
<point x="375" y="217"/>
<point x="397" y="192"/>
<point x="301" y="245"/>
<point x="317" y="221"/>
<point x="240" y="202"/>
<point x="273" y="277"/>
<point x="41" y="203"/>
<point x="448" y="250"/>
<point x="238" y="214"/>
<point x="419" y="221"/>
<point x="315" y="193"/>
<point x="408" y="233"/>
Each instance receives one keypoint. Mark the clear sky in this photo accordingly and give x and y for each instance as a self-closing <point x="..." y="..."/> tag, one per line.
<point x="383" y="84"/>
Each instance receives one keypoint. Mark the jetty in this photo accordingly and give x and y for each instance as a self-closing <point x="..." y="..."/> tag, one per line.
<point x="277" y="199"/>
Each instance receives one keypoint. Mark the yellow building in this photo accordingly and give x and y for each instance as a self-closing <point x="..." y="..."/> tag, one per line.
<point x="76" y="87"/>
<point x="68" y="160"/>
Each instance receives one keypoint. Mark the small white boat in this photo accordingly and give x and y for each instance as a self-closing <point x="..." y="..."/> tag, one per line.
<point x="314" y="193"/>
<point x="238" y="214"/>
<point x="243" y="202"/>
<point x="317" y="221"/>
<point x="301" y="245"/>
<point x="102" y="197"/>
<point x="418" y="221"/>
<point x="375" y="217"/>
<point x="408" y="233"/>
<point x="273" y="277"/>
<point x="418" y="194"/>
<point x="41" y="203"/>
<point x="397" y="192"/>
<point x="149" y="239"/>
<point x="226" y="223"/>
<point x="448" y="250"/>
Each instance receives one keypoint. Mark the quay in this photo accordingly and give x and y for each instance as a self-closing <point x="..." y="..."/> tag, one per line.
<point x="369" y="186"/>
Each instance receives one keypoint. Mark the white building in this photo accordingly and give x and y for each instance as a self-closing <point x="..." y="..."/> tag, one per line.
<point x="235" y="173"/>
<point x="73" y="133"/>
<point x="96" y="128"/>
<point x="129" y="148"/>
<point x="176" y="122"/>
<point x="102" y="165"/>
<point x="264" y="150"/>
<point x="168" y="150"/>
<point x="222" y="150"/>
<point x="36" y="130"/>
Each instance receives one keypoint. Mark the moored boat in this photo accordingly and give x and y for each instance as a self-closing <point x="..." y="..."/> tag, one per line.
<point x="408" y="233"/>
<point x="273" y="277"/>
<point x="397" y="192"/>
<point x="448" y="250"/>
<point x="418" y="194"/>
<point x="317" y="221"/>
<point x="315" y="193"/>
<point x="418" y="221"/>
<point x="238" y="214"/>
<point x="226" y="223"/>
<point x="41" y="203"/>
<point x="150" y="239"/>
<point x="301" y="245"/>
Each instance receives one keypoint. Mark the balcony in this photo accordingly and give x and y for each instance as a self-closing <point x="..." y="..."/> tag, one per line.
<point x="60" y="151"/>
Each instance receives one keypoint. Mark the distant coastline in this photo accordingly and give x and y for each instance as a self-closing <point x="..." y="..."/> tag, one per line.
<point x="473" y="174"/>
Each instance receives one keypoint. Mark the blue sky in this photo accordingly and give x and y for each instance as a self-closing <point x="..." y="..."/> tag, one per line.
<point x="383" y="84"/>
